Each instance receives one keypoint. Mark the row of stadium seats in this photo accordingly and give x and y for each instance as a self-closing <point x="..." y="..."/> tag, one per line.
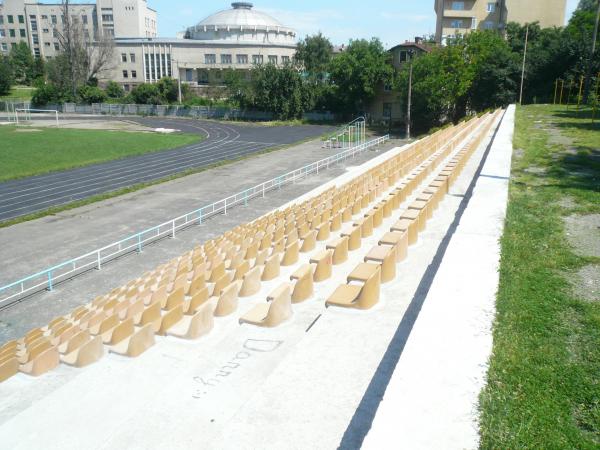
<point x="182" y="297"/>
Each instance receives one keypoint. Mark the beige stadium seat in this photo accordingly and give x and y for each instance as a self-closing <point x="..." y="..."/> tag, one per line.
<point x="87" y="353"/>
<point x="200" y="323"/>
<point x="407" y="226"/>
<point x="74" y="343"/>
<point x="303" y="287"/>
<point x="323" y="231"/>
<point x="309" y="241"/>
<point x="174" y="299"/>
<point x="366" y="226"/>
<point x="41" y="361"/>
<point x="340" y="250"/>
<point x="170" y="319"/>
<point x="228" y="300"/>
<point x="191" y="306"/>
<point x="135" y="309"/>
<point x="417" y="216"/>
<point x="335" y="223"/>
<point x="291" y="254"/>
<point x="274" y="313"/>
<point x="160" y="296"/>
<point x="118" y="333"/>
<point x="136" y="344"/>
<point x="63" y="334"/>
<point x="150" y="316"/>
<point x="217" y="272"/>
<point x="354" y="237"/>
<point x="322" y="264"/>
<point x="92" y="321"/>
<point x="197" y="283"/>
<point x="8" y="368"/>
<point x="261" y="258"/>
<point x="251" y="283"/>
<point x="386" y="256"/>
<point x="107" y="324"/>
<point x="272" y="268"/>
<point x="398" y="240"/>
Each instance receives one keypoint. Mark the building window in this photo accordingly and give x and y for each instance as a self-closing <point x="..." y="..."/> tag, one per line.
<point x="46" y="30"/>
<point x="387" y="110"/>
<point x="225" y="59"/>
<point x="189" y="75"/>
<point x="44" y="17"/>
<point x="457" y="23"/>
<point x="210" y="58"/>
<point x="488" y="25"/>
<point x="218" y="75"/>
<point x="125" y="74"/>
<point x="126" y="87"/>
<point x="36" y="40"/>
<point x="2" y="33"/>
<point x="11" y="32"/>
<point x="53" y="19"/>
<point x="272" y="59"/>
<point x="56" y="47"/>
<point x="84" y="19"/>
<point x="109" y="31"/>
<point x="107" y="17"/>
<point x="242" y="59"/>
<point x="10" y="19"/>
<point x="132" y="57"/>
<point x="33" y="25"/>
<point x="22" y="32"/>
<point x="459" y="6"/>
<point x="491" y="7"/>
<point x="123" y="57"/>
<point x="133" y="74"/>
<point x="36" y="52"/>
<point x="387" y="87"/>
<point x="1" y="19"/>
<point x="257" y="59"/>
<point x="285" y="59"/>
<point x="4" y="47"/>
<point x="22" y="18"/>
<point x="47" y="44"/>
<point x="203" y="76"/>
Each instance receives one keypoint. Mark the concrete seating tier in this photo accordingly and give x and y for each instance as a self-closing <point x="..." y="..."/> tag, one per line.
<point x="308" y="240"/>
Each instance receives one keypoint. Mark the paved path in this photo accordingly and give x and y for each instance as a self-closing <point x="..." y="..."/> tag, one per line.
<point x="223" y="142"/>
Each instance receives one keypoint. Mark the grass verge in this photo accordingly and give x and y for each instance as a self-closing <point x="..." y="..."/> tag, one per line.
<point x="33" y="151"/>
<point x="543" y="388"/>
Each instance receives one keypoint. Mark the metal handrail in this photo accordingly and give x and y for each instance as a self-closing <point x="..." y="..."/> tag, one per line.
<point x="47" y="278"/>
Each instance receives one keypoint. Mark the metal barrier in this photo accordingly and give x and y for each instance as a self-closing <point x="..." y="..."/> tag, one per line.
<point x="46" y="279"/>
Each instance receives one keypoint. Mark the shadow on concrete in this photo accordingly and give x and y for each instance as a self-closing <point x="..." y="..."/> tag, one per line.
<point x="364" y="415"/>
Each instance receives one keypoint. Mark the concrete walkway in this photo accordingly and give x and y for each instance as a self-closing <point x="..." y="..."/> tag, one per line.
<point x="299" y="385"/>
<point x="431" y="399"/>
<point x="32" y="246"/>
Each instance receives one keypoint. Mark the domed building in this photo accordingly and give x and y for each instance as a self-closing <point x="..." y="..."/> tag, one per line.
<point x="235" y="38"/>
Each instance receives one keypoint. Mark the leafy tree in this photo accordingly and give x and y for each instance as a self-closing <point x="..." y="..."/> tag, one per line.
<point x="47" y="94"/>
<point x="22" y="62"/>
<point x="168" y="89"/>
<point x="114" y="90"/>
<point x="6" y="75"/>
<point x="314" y="54"/>
<point x="91" y="94"/>
<point x="357" y="72"/>
<point x="146" y="94"/>
<point x="495" y="70"/>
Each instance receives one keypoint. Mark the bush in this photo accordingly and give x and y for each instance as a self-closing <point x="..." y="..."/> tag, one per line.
<point x="6" y="75"/>
<point x="146" y="94"/>
<point x="114" y="90"/>
<point x="91" y="94"/>
<point x="47" y="94"/>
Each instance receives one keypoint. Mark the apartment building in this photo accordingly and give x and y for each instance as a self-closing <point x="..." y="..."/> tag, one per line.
<point x="460" y="17"/>
<point x="40" y="24"/>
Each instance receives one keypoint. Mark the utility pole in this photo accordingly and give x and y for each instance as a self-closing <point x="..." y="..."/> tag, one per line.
<point x="588" y="75"/>
<point x="410" y="55"/>
<point x="523" y="68"/>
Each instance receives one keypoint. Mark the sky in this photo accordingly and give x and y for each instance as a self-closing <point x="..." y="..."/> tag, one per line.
<point x="393" y="21"/>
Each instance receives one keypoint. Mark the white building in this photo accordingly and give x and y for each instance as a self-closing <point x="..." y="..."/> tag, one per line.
<point x="39" y="24"/>
<point x="236" y="38"/>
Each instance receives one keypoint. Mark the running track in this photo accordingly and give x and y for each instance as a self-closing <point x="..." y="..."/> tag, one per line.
<point x="223" y="142"/>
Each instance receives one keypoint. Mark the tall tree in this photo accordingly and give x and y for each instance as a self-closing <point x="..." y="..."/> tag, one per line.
<point x="6" y="75"/>
<point x="314" y="54"/>
<point x="357" y="72"/>
<point x="22" y="62"/>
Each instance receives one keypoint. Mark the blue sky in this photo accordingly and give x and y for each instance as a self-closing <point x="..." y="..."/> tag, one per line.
<point x="393" y="21"/>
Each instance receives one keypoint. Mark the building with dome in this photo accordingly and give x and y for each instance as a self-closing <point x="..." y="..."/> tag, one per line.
<point x="235" y="38"/>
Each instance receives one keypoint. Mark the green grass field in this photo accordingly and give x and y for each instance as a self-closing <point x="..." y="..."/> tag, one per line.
<point x="25" y="152"/>
<point x="543" y="387"/>
<point x="19" y="93"/>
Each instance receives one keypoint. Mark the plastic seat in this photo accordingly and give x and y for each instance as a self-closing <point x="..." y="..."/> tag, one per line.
<point x="272" y="268"/>
<point x="136" y="344"/>
<point x="386" y="257"/>
<point x="323" y="231"/>
<point x="192" y="305"/>
<point x="150" y="316"/>
<point x="398" y="240"/>
<point x="274" y="313"/>
<point x="354" y="238"/>
<point x="107" y="324"/>
<point x="291" y="254"/>
<point x="8" y="368"/>
<point x="322" y="263"/>
<point x="363" y="296"/>
<point x="87" y="353"/>
<point x="340" y="250"/>
<point x="41" y="362"/>
<point x="170" y="319"/>
<point x="251" y="283"/>
<point x="407" y="226"/>
<point x="303" y="288"/>
<point x="221" y="284"/>
<point x="174" y="299"/>
<point x="200" y="323"/>
<point x="309" y="241"/>
<point x="228" y="300"/>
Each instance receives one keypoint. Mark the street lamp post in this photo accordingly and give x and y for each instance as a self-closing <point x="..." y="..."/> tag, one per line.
<point x="410" y="72"/>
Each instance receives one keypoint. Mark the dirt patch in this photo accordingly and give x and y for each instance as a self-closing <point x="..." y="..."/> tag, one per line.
<point x="583" y="233"/>
<point x="535" y="170"/>
<point x="586" y="284"/>
<point x="519" y="152"/>
<point x="567" y="202"/>
<point x="27" y="130"/>
<point x="555" y="138"/>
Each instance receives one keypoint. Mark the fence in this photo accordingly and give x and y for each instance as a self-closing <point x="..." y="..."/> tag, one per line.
<point x="46" y="279"/>
<point x="196" y="112"/>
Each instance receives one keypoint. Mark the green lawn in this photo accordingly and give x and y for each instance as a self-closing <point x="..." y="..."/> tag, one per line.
<point x="543" y="387"/>
<point x="19" y="93"/>
<point x="25" y="152"/>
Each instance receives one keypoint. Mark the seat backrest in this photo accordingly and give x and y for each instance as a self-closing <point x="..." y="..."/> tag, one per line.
<point x="202" y="322"/>
<point x="151" y="314"/>
<point x="369" y="294"/>
<point x="141" y="341"/>
<point x="122" y="331"/>
<point x="228" y="300"/>
<point x="175" y="299"/>
<point x="170" y="319"/>
<point x="109" y="323"/>
<point x="280" y="308"/>
<point x="198" y="299"/>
